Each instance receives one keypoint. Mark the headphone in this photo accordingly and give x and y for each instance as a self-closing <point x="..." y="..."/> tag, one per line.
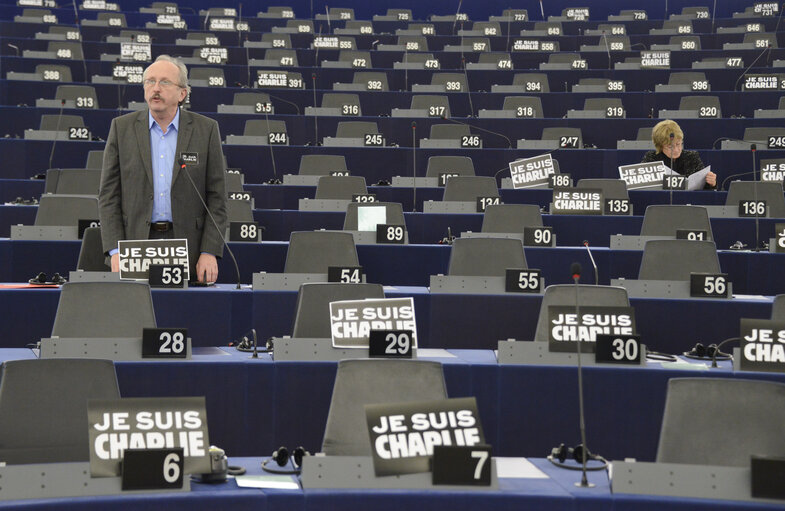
<point x="701" y="352"/>
<point x="282" y="457"/>
<point x="559" y="455"/>
<point x="42" y="279"/>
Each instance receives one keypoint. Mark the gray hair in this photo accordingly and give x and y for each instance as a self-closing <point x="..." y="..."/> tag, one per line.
<point x="183" y="72"/>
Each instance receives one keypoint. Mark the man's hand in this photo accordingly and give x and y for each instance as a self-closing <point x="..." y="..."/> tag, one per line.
<point x="711" y="179"/>
<point x="209" y="264"/>
<point x="116" y="262"/>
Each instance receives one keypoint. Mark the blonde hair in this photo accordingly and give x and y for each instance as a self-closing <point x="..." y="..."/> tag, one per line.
<point x="661" y="134"/>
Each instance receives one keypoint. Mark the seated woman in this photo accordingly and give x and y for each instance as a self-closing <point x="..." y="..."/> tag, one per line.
<point x="669" y="144"/>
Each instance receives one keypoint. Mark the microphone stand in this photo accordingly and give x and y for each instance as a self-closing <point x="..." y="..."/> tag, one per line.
<point x="717" y="351"/>
<point x="414" y="166"/>
<point x="584" y="482"/>
<point x="753" y="147"/>
<point x="671" y="188"/>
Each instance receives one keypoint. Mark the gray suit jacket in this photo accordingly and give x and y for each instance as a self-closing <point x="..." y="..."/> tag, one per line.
<point x="126" y="196"/>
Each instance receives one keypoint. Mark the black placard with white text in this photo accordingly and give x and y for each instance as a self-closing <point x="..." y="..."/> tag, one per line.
<point x="245" y="231"/>
<point x="389" y="233"/>
<point x="762" y="345"/>
<point x="345" y="274"/>
<point x="164" y="343"/>
<point x="136" y="256"/>
<point x="166" y="275"/>
<point x="152" y="469"/>
<point x="692" y="234"/>
<point x="709" y="285"/>
<point x="455" y="465"/>
<point x="577" y="201"/>
<point x="84" y="224"/>
<point x="403" y="435"/>
<point x="522" y="280"/>
<point x="538" y="236"/>
<point x="565" y="329"/>
<point x="390" y="344"/>
<point x="779" y="238"/>
<point x="115" y="425"/>
<point x="618" y="349"/>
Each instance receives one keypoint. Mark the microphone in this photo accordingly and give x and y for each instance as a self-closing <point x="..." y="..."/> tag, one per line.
<point x="671" y="147"/>
<point x="542" y="11"/>
<point x="274" y="180"/>
<point x="740" y="174"/>
<point x="718" y="352"/>
<point x="593" y="263"/>
<point x="468" y="89"/>
<point x="414" y="166"/>
<point x="313" y="86"/>
<point x="57" y="132"/>
<point x="240" y="19"/>
<point x="753" y="147"/>
<point x="329" y="27"/>
<point x="15" y="47"/>
<point x="607" y="48"/>
<point x="184" y="168"/>
<point x="509" y="144"/>
<point x="455" y="21"/>
<point x="766" y="49"/>
<point x="79" y="30"/>
<point x="713" y="14"/>
<point x="206" y="17"/>
<point x="575" y="269"/>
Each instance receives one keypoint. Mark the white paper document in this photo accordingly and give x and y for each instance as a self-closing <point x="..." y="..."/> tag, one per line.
<point x="695" y="181"/>
<point x="517" y="468"/>
<point x="278" y="482"/>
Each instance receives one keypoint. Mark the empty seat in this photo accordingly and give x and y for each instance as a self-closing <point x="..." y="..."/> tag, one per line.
<point x="347" y="104"/>
<point x="771" y="192"/>
<point x="363" y="382"/>
<point x="564" y="135"/>
<point x="511" y="217"/>
<point x="644" y="134"/>
<point x="209" y="76"/>
<point x="66" y="210"/>
<point x="413" y="42"/>
<point x="104" y="309"/>
<point x="263" y="127"/>
<point x="312" y="313"/>
<point x="612" y="107"/>
<point x="677" y="259"/>
<point x="321" y="164"/>
<point x="778" y="308"/>
<point x="283" y="57"/>
<point x="686" y="42"/>
<point x="719" y="421"/>
<point x="449" y="131"/>
<point x="468" y="188"/>
<point x="705" y="106"/>
<point x="277" y="40"/>
<point x="611" y="188"/>
<point x="532" y="82"/>
<point x="563" y="58"/>
<point x="234" y="182"/>
<point x="113" y="19"/>
<point x="66" y="50"/>
<point x="400" y="14"/>
<point x="524" y="106"/>
<point x="761" y="135"/>
<point x="393" y="214"/>
<point x="495" y="58"/>
<point x="452" y="82"/>
<point x="238" y="210"/>
<point x="72" y="181"/>
<point x="662" y="220"/>
<point x="588" y="295"/>
<point x="250" y="99"/>
<point x="95" y="160"/>
<point x="91" y="253"/>
<point x="340" y="187"/>
<point x="357" y="59"/>
<point x="461" y="165"/>
<point x="486" y="257"/>
<point x="54" y="72"/>
<point x="316" y="251"/>
<point x="758" y="38"/>
<point x="359" y="27"/>
<point x="43" y="408"/>
<point x="373" y="81"/>
<point x="356" y="129"/>
<point x="434" y="106"/>
<point x="53" y="122"/>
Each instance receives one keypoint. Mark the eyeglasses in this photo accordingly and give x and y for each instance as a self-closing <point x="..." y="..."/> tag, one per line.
<point x="163" y="83"/>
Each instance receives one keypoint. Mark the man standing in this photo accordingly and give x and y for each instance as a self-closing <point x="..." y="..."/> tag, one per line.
<point x="144" y="194"/>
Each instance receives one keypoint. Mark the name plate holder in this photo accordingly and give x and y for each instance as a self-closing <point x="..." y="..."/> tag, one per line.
<point x="458" y="207"/>
<point x="284" y="281"/>
<point x="357" y="472"/>
<point x="679" y="289"/>
<point x="108" y="348"/>
<point x="331" y="205"/>
<point x="421" y="182"/>
<point x="475" y="285"/>
<point x="314" y="349"/>
<point x="537" y="353"/>
<point x="58" y="480"/>
<point x="44" y="232"/>
<point x="681" y="480"/>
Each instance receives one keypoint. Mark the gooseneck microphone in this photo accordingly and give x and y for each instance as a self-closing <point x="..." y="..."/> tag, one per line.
<point x="184" y="168"/>
<point x="575" y="270"/>
<point x="57" y="132"/>
<point x="753" y="147"/>
<point x="274" y="180"/>
<point x="607" y="48"/>
<point x="717" y="351"/>
<point x="596" y="272"/>
<point x="742" y="75"/>
<point x="671" y="188"/>
<point x="449" y="119"/>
